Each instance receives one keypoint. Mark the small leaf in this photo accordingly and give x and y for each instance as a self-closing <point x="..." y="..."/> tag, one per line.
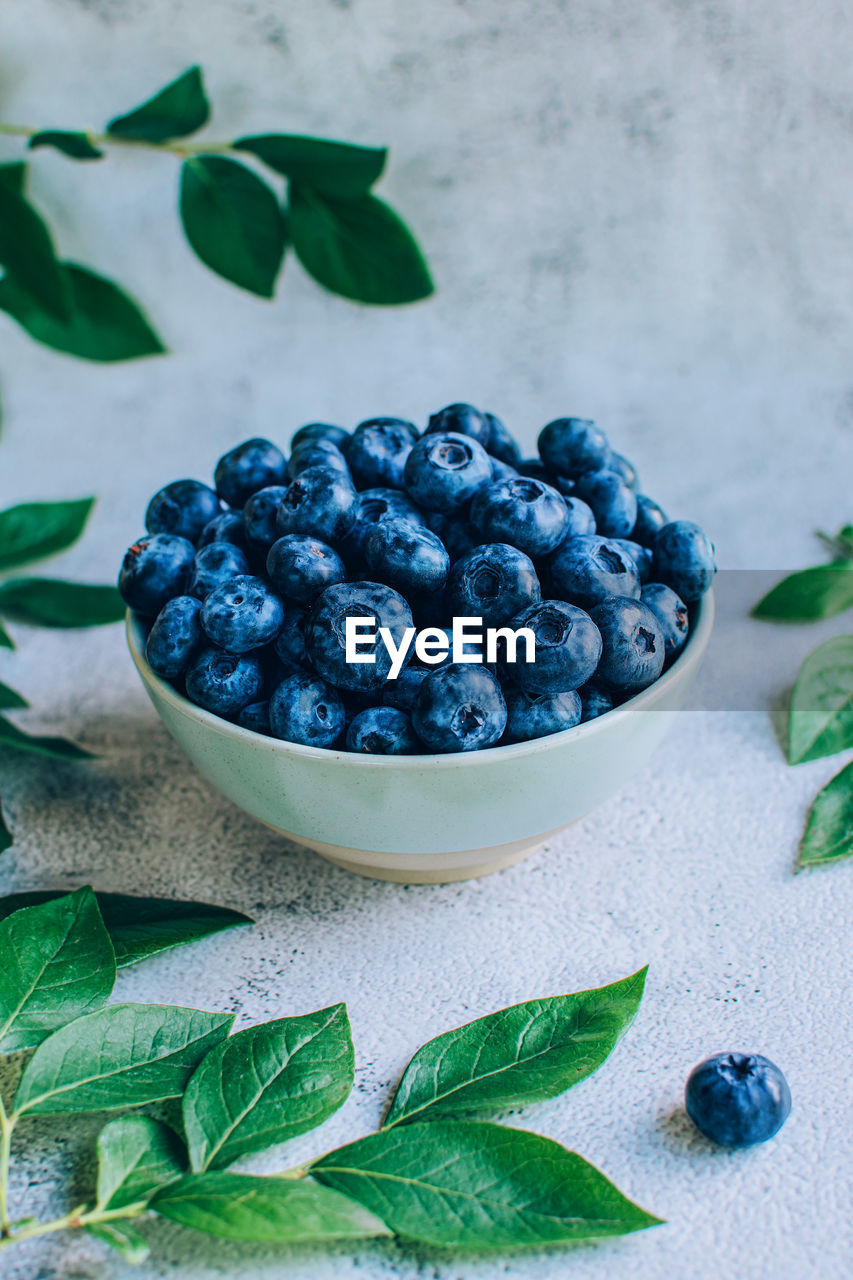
<point x="14" y="176"/>
<point x="357" y="248"/>
<point x="478" y="1186"/>
<point x="125" y="1055"/>
<point x="136" y="1157"/>
<point x="526" y="1053"/>
<point x="240" y="1206"/>
<point x="809" y="594"/>
<point x="58" y="964"/>
<point x="6" y="641"/>
<point x="123" y="1238"/>
<point x="821" y="716"/>
<point x="233" y="222"/>
<point x="267" y="1084"/>
<point x="104" y="323"/>
<point x="6" y="837"/>
<point x="27" y="253"/>
<point x="176" y="111"/>
<point x="77" y="146"/>
<point x="335" y="168"/>
<point x="828" y="836"/>
<point x="33" y="530"/>
<point x="49" y="602"/>
<point x="10" y="700"/>
<point x="40" y="745"/>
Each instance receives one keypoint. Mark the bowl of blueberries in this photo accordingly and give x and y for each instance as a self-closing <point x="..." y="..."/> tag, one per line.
<point x="418" y="653"/>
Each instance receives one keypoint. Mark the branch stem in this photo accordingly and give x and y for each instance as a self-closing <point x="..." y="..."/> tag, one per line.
<point x="182" y="149"/>
<point x="77" y="1218"/>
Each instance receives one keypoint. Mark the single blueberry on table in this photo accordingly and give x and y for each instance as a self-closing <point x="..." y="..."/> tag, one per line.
<point x="459" y="707"/>
<point x="223" y="682"/>
<point x="320" y="431"/>
<point x="289" y="644"/>
<point x="571" y="446"/>
<point x="587" y="569"/>
<point x="538" y="715"/>
<point x="463" y="420"/>
<point x="595" y="701"/>
<point x="374" y="505"/>
<point x="671" y="612"/>
<point x="613" y="504"/>
<point x="408" y="556"/>
<point x="321" y="502"/>
<point x="382" y="731"/>
<point x="325" y="633"/>
<point x="256" y="716"/>
<point x="567" y="652"/>
<point x="300" y="567"/>
<point x="183" y="507"/>
<point x="213" y="565"/>
<point x="634" y="649"/>
<point x="501" y="443"/>
<point x="252" y="465"/>
<point x="616" y="462"/>
<point x="378" y="451"/>
<point x="316" y="453"/>
<point x="242" y="614"/>
<point x="259" y="515"/>
<point x="175" y="637"/>
<point x="401" y="692"/>
<point x="307" y="710"/>
<point x="684" y="559"/>
<point x="227" y="527"/>
<point x="641" y="556"/>
<point x="493" y="582"/>
<point x="153" y="570"/>
<point x="737" y="1099"/>
<point x="527" y="513"/>
<point x="650" y="518"/>
<point x="444" y="470"/>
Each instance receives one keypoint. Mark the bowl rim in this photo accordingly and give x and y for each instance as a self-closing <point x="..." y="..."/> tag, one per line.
<point x="681" y="670"/>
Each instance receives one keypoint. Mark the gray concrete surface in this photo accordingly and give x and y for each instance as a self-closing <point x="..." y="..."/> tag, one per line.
<point x="640" y="213"/>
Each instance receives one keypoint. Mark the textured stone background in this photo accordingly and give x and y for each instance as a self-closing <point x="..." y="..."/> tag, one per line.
<point x="637" y="212"/>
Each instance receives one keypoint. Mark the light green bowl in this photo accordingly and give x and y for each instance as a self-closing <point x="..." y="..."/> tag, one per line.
<point x="430" y="818"/>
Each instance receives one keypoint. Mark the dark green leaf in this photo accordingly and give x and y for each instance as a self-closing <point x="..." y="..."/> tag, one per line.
<point x="33" y="530"/>
<point x="40" y="745"/>
<point x="828" y="836"/>
<point x="179" y="109"/>
<point x="14" y="176"/>
<point x="49" y="602"/>
<point x="842" y="543"/>
<point x="27" y="253"/>
<point x="77" y="146"/>
<point x="104" y="324"/>
<point x="136" y="1157"/>
<point x="233" y="222"/>
<point x="123" y="1238"/>
<point x="821" y="716"/>
<point x="357" y="248"/>
<point x="10" y="700"/>
<point x="6" y="837"/>
<point x="524" y="1054"/>
<point x="335" y="168"/>
<point x="267" y="1084"/>
<point x="125" y="1055"/>
<point x="58" y="963"/>
<point x="239" y="1206"/>
<point x="809" y="595"/>
<point x="6" y="641"/>
<point x="477" y="1186"/>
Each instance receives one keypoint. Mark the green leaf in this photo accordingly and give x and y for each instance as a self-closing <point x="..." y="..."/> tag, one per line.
<point x="58" y="963"/>
<point x="176" y="111"/>
<point x="809" y="595"/>
<point x="125" y="1055"/>
<point x="14" y="176"/>
<point x="10" y="700"/>
<point x="821" y="716"/>
<point x="842" y="543"/>
<point x="267" y="1084"/>
<point x="27" y="253"/>
<point x="828" y="836"/>
<point x="143" y="927"/>
<point x="233" y="222"/>
<point x="357" y="248"/>
<point x="6" y="641"/>
<point x="123" y="1238"/>
<point x="136" y="1157"/>
<point x="40" y="745"/>
<point x="33" y="530"/>
<point x="6" y="837"/>
<point x="105" y="324"/>
<point x="77" y="146"/>
<point x="240" y="1206"/>
<point x="524" y="1054"/>
<point x="478" y="1186"/>
<point x="49" y="602"/>
<point x="334" y="168"/>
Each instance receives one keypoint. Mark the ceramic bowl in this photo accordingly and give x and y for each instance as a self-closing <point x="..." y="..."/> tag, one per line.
<point x="430" y="818"/>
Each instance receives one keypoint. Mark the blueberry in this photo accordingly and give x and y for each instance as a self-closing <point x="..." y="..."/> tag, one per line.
<point x="684" y="559"/>
<point x="571" y="446"/>
<point x="153" y="570"/>
<point x="224" y="682"/>
<point x="325" y="632"/>
<point x="567" y="652"/>
<point x="458" y="534"/>
<point x="183" y="507"/>
<point x="444" y="470"/>
<point x="289" y="644"/>
<point x="306" y="710"/>
<point x="382" y="731"/>
<point x="374" y="505"/>
<point x="227" y="527"/>
<point x="527" y="513"/>
<point x="595" y="701"/>
<point x="581" y="519"/>
<point x="401" y="692"/>
<point x="501" y="443"/>
<point x="586" y="569"/>
<point x="175" y="637"/>
<point x="242" y="614"/>
<point x="316" y="453"/>
<point x="613" y="504"/>
<point x="502" y="470"/>
<point x="320" y="431"/>
<point x="256" y="716"/>
<point x="616" y="462"/>
<point x="641" y="556"/>
<point x="321" y="502"/>
<point x="650" y="518"/>
<point x="406" y="555"/>
<point x="535" y="468"/>
<point x="213" y="565"/>
<point x="493" y="582"/>
<point x="378" y="451"/>
<point x="463" y="420"/>
<point x="634" y="649"/>
<point x="300" y="567"/>
<point x="259" y="515"/>
<point x="537" y="715"/>
<point x="563" y="484"/>
<point x="459" y="707"/>
<point x="737" y="1099"/>
<point x="252" y="465"/>
<point x="671" y="612"/>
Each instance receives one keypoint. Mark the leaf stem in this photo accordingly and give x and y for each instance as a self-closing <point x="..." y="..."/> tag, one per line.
<point x="80" y="1217"/>
<point x="7" y="1123"/>
<point x="110" y="140"/>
